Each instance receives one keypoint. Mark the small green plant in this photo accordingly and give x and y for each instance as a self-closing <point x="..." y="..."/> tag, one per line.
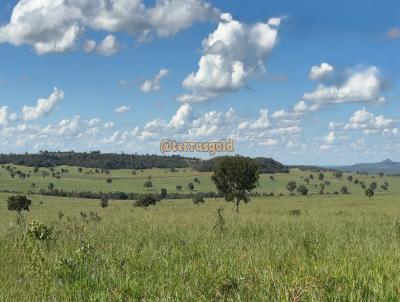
<point x="198" y="199"/>
<point x="38" y="230"/>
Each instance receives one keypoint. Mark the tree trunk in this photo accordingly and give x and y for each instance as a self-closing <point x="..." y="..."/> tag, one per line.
<point x="237" y="205"/>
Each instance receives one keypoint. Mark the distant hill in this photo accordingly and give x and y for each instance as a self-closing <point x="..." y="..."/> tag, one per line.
<point x="387" y="166"/>
<point x="267" y="165"/>
<point x="96" y="159"/>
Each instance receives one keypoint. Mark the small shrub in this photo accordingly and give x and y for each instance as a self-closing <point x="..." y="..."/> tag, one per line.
<point x="198" y="199"/>
<point x="39" y="230"/>
<point x="295" y="212"/>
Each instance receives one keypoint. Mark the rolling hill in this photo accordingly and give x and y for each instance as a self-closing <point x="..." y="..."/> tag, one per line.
<point x="387" y="166"/>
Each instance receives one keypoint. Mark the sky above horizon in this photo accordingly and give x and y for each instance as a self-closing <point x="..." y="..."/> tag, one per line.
<point x="303" y="82"/>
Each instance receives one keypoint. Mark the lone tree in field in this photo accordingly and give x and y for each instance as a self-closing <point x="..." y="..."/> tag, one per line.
<point x="179" y="188"/>
<point x="198" y="199"/>
<point x="104" y="201"/>
<point x="291" y="186"/>
<point x="369" y="193"/>
<point x="373" y="186"/>
<point x="321" y="176"/>
<point x="344" y="190"/>
<point x="148" y="184"/>
<point x="350" y="178"/>
<point x="235" y="177"/>
<point x="163" y="193"/>
<point x="191" y="186"/>
<point x="302" y="190"/>
<point x="145" y="201"/>
<point x="18" y="203"/>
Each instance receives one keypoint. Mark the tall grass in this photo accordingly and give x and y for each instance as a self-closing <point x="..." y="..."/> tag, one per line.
<point x="341" y="248"/>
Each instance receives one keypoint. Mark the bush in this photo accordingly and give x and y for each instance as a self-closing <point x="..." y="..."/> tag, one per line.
<point x="39" y="230"/>
<point x="198" y="199"/>
<point x="104" y="201"/>
<point x="145" y="201"/>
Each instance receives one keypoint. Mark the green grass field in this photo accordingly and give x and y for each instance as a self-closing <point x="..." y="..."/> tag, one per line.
<point x="290" y="248"/>
<point x="124" y="181"/>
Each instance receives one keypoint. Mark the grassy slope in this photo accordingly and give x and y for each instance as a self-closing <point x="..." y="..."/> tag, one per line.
<point x="123" y="180"/>
<point x="340" y="248"/>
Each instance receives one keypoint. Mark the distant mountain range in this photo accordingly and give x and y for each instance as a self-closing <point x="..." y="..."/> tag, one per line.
<point x="387" y="166"/>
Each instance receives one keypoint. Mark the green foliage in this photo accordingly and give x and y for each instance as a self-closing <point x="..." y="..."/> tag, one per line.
<point x="104" y="201"/>
<point x="145" y="201"/>
<point x="302" y="190"/>
<point x="148" y="185"/>
<point x="235" y="177"/>
<point x="18" y="203"/>
<point x="344" y="190"/>
<point x="369" y="193"/>
<point x="190" y="186"/>
<point x="163" y="193"/>
<point x="198" y="199"/>
<point x="38" y="230"/>
<point x="291" y="186"/>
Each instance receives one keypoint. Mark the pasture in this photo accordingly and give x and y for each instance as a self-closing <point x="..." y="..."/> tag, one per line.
<point x="320" y="248"/>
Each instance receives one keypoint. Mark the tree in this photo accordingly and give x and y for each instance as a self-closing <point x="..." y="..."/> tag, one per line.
<point x="350" y="178"/>
<point x="104" y="201"/>
<point x="291" y="186"/>
<point x="108" y="180"/>
<point x="80" y="170"/>
<point x="373" y="186"/>
<point x="164" y="193"/>
<point x="196" y="180"/>
<point x="51" y="186"/>
<point x="321" y="176"/>
<point x="302" y="190"/>
<point x="178" y="188"/>
<point x="381" y="174"/>
<point x="18" y="203"/>
<point x="338" y="174"/>
<point x="148" y="184"/>
<point x="198" y="199"/>
<point x="235" y="177"/>
<point x="191" y="186"/>
<point x="369" y="193"/>
<point x="311" y="176"/>
<point x="344" y="190"/>
<point x="145" y="201"/>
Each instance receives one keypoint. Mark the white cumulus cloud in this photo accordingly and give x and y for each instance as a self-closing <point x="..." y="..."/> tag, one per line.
<point x="52" y="26"/>
<point x="43" y="106"/>
<point x="107" y="47"/>
<point x="232" y="54"/>
<point x="320" y="72"/>
<point x="154" y="84"/>
<point x="122" y="109"/>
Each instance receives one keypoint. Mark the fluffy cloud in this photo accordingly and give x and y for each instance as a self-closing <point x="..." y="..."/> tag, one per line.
<point x="320" y="72"/>
<point x="43" y="106"/>
<point x="154" y="84"/>
<point x="122" y="109"/>
<point x="330" y="138"/>
<point x="182" y="116"/>
<point x="107" y="47"/>
<point x="365" y="86"/>
<point x="55" y="25"/>
<point x="232" y="54"/>
<point x="364" y="120"/>
<point x="394" y="33"/>
<point x="4" y="116"/>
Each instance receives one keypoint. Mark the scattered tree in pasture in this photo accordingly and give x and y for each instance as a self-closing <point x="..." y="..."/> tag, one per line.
<point x="373" y="186"/>
<point x="148" y="185"/>
<point x="198" y="199"/>
<point x="191" y="186"/>
<point x="235" y="178"/>
<point x="80" y="170"/>
<point x="163" y="193"/>
<point x="145" y="201"/>
<point x="18" y="203"/>
<point x="179" y="188"/>
<point x="307" y="181"/>
<point x="321" y="176"/>
<point x="338" y="174"/>
<point x="50" y="186"/>
<point x="311" y="176"/>
<point x="291" y="186"/>
<point x="350" y="178"/>
<point x="109" y="180"/>
<point x="344" y="190"/>
<point x="302" y="190"/>
<point x="104" y="201"/>
<point x="196" y="180"/>
<point x="369" y="193"/>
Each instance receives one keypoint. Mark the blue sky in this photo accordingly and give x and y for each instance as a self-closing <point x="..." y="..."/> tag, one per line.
<point x="305" y="82"/>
